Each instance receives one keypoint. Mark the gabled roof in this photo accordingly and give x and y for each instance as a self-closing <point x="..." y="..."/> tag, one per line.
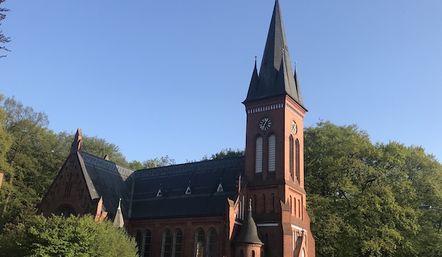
<point x="173" y="180"/>
<point x="105" y="179"/>
<point x="276" y="75"/>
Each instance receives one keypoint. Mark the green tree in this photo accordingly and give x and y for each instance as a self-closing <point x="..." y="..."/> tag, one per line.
<point x="60" y="236"/>
<point x="364" y="199"/>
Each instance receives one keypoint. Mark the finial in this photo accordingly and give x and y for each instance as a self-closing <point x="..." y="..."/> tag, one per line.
<point x="250" y="205"/>
<point x="119" y="204"/>
<point x="78" y="141"/>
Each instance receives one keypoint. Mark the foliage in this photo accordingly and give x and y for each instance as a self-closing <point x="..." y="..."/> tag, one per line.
<point x="61" y="236"/>
<point x="3" y="38"/>
<point x="34" y="154"/>
<point x="370" y="195"/>
<point x="225" y="153"/>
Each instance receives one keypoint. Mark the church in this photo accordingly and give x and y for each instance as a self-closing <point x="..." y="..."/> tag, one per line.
<point x="250" y="206"/>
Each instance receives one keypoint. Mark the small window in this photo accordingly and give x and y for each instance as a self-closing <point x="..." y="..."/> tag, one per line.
<point x="253" y="253"/>
<point x="258" y="155"/>
<point x="220" y="188"/>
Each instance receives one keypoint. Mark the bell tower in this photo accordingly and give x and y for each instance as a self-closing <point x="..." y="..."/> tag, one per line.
<point x="274" y="155"/>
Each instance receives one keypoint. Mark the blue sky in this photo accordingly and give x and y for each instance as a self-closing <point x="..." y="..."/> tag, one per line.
<point x="168" y="77"/>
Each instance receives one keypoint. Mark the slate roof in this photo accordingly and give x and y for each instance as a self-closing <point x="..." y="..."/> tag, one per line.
<point x="248" y="232"/>
<point x="276" y="76"/>
<point x="203" y="178"/>
<point x="106" y="179"/>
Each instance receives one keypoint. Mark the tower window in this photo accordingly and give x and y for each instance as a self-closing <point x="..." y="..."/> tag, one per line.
<point x="263" y="203"/>
<point x="258" y="155"/>
<point x="298" y="159"/>
<point x="272" y="153"/>
<point x="291" y="157"/>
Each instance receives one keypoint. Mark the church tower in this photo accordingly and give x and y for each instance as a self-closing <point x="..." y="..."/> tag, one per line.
<point x="274" y="153"/>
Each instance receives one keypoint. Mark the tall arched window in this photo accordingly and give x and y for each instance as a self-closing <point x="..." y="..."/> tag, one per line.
<point x="258" y="155"/>
<point x="298" y="159"/>
<point x="272" y="153"/>
<point x="255" y="202"/>
<point x="263" y="203"/>
<point x="213" y="243"/>
<point x="253" y="253"/>
<point x="178" y="243"/>
<point x="291" y="157"/>
<point x="200" y="243"/>
<point x="147" y="243"/>
<point x="139" y="241"/>
<point x="166" y="245"/>
<point x="291" y="206"/>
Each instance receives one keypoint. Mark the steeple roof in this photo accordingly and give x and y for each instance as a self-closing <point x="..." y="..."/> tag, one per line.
<point x="249" y="233"/>
<point x="276" y="74"/>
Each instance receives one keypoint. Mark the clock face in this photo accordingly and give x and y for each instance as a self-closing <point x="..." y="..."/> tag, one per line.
<point x="294" y="128"/>
<point x="265" y="124"/>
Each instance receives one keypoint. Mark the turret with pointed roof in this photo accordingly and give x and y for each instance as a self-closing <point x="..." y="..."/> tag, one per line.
<point x="275" y="76"/>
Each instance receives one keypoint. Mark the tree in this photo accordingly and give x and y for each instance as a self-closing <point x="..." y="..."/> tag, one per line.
<point x="368" y="194"/>
<point x="225" y="153"/>
<point x="3" y="38"/>
<point x="61" y="236"/>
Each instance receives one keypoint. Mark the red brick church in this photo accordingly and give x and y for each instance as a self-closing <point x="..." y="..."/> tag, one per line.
<point x="249" y="206"/>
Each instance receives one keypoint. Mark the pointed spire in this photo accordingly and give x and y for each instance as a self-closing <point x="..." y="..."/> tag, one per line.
<point x="119" y="220"/>
<point x="78" y="141"/>
<point x="275" y="53"/>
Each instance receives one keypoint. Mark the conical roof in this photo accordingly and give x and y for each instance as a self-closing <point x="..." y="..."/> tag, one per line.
<point x="249" y="232"/>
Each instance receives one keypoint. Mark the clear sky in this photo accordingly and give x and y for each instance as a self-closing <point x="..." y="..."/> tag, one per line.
<point x="168" y="77"/>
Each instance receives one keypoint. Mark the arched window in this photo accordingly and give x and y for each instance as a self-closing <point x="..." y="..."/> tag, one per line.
<point x="139" y="241"/>
<point x="258" y="155"/>
<point x="255" y="202"/>
<point x="291" y="206"/>
<point x="200" y="243"/>
<point x="294" y="205"/>
<point x="213" y="243"/>
<point x="253" y="253"/>
<point x="147" y="243"/>
<point x="178" y="243"/>
<point x="166" y="245"/>
<point x="298" y="159"/>
<point x="291" y="157"/>
<point x="272" y="153"/>
<point x="263" y="203"/>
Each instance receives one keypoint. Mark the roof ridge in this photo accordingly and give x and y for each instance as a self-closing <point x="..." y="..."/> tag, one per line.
<point x="191" y="163"/>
